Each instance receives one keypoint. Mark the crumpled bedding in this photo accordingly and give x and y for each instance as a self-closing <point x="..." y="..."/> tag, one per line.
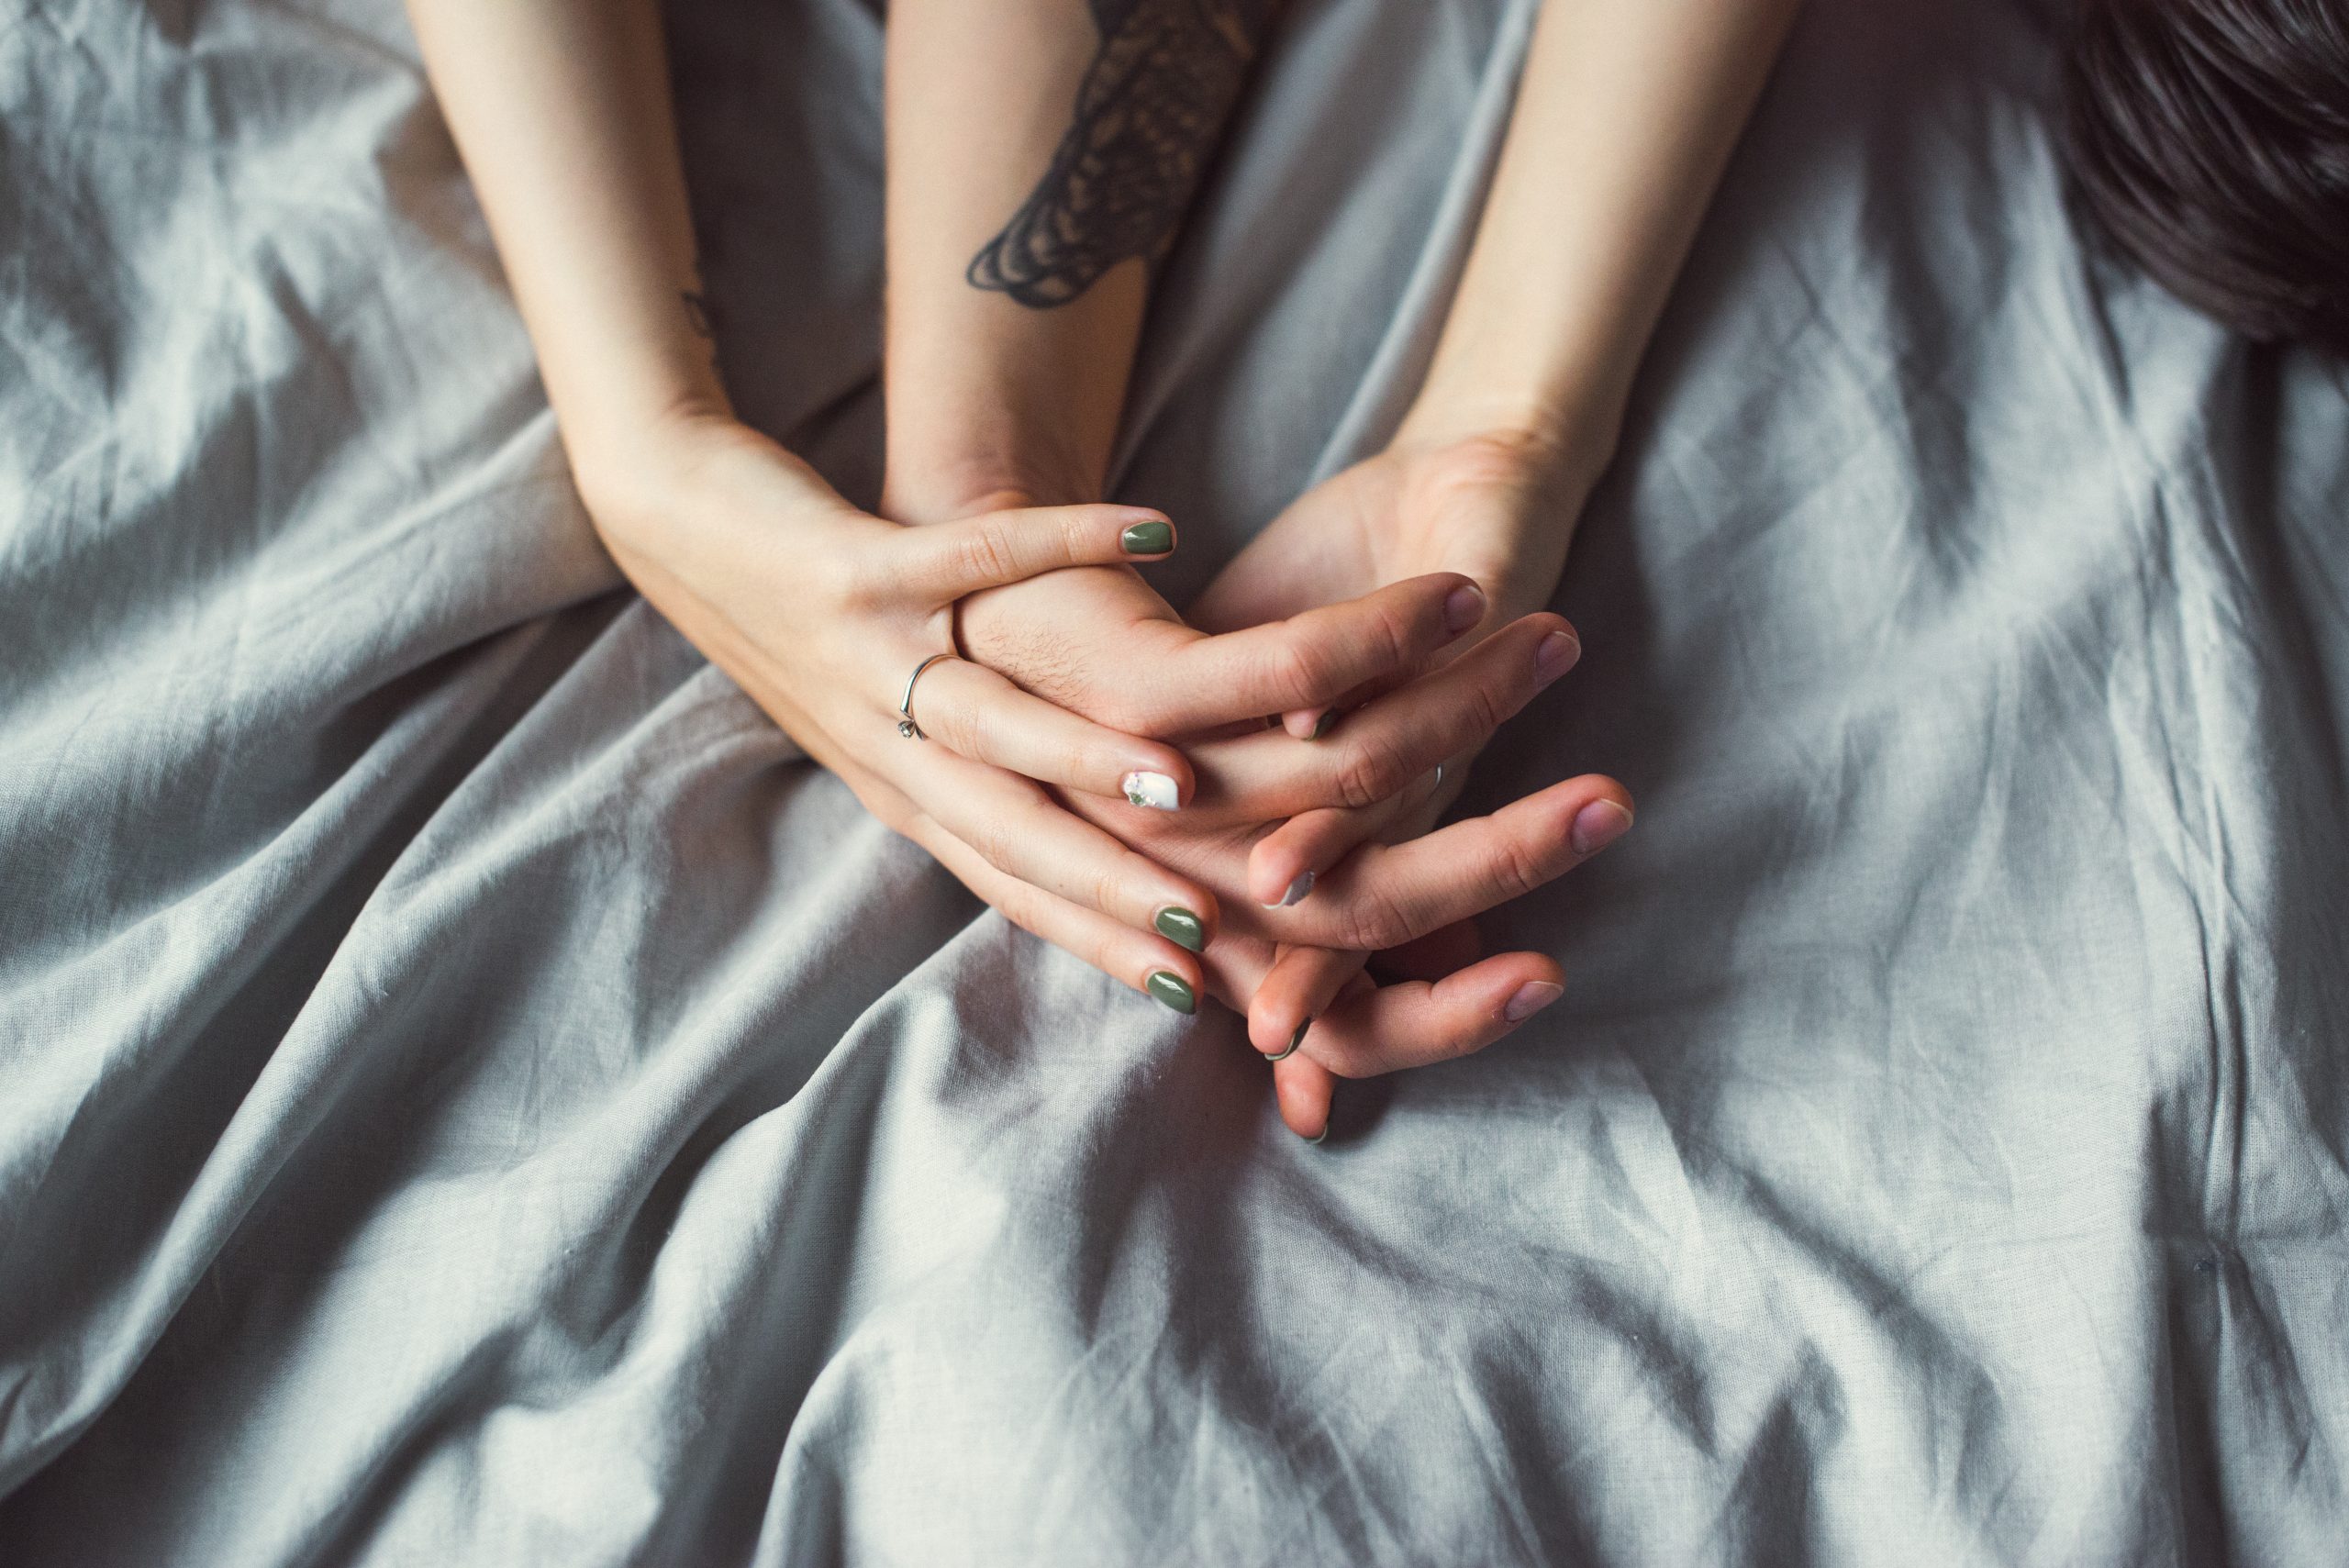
<point x="471" y="1092"/>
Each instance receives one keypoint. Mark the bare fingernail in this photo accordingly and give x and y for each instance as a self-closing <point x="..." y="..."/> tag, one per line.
<point x="1296" y="891"/>
<point x="1294" y="1042"/>
<point x="1462" y="607"/>
<point x="1530" y="998"/>
<point x="1599" y="825"/>
<point x="1154" y="790"/>
<point x="1555" y="654"/>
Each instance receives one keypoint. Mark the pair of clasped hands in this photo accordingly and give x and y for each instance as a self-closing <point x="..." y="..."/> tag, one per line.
<point x="1241" y="802"/>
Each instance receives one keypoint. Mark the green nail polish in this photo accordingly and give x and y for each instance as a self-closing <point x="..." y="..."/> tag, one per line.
<point x="1327" y="1122"/>
<point x="1294" y="1042"/>
<point x="1182" y="928"/>
<point x="1321" y="725"/>
<point x="1147" y="539"/>
<point x="1171" y="991"/>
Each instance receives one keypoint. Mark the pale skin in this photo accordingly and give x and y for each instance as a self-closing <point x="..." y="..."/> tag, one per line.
<point x="561" y="112"/>
<point x="1627" y="113"/>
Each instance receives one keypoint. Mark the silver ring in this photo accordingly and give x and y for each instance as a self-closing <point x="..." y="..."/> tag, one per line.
<point x="906" y="725"/>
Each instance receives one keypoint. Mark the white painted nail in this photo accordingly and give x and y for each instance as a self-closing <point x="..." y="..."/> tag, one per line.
<point x="1296" y="891"/>
<point x="1153" y="790"/>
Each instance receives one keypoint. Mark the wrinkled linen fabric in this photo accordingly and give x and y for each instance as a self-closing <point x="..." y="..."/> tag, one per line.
<point x="472" y="1094"/>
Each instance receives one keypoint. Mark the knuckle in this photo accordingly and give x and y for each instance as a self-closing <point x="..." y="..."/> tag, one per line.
<point x="888" y="808"/>
<point x="1460" y="1040"/>
<point x="1391" y="637"/>
<point x="1516" y="870"/>
<point x="1103" y="891"/>
<point x="1484" y="709"/>
<point x="991" y="841"/>
<point x="1373" y="921"/>
<point x="983" y="551"/>
<point x="1299" y="671"/>
<point x="1020" y="905"/>
<point x="1372" y="768"/>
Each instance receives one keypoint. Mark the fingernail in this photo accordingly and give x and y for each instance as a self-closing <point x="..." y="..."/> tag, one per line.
<point x="1153" y="790"/>
<point x="1147" y="539"/>
<point x="1462" y="608"/>
<point x="1321" y="725"/>
<point x="1296" y="891"/>
<point x="1182" y="928"/>
<point x="1530" y="998"/>
<point x="1171" y="991"/>
<point x="1327" y="1119"/>
<point x="1555" y="654"/>
<point x="1294" y="1042"/>
<point x="1599" y="825"/>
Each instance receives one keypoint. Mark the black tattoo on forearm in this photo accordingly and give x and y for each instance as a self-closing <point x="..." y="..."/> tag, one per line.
<point x="1148" y="113"/>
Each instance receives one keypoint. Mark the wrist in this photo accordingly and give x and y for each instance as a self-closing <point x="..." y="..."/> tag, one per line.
<point x="620" y="463"/>
<point x="1552" y="444"/>
<point x="940" y="481"/>
<point x="1532" y="473"/>
<point x="1498" y="503"/>
<point x="669" y="489"/>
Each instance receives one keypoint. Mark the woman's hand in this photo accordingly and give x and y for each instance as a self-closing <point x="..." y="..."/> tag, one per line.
<point x="1295" y="968"/>
<point x="821" y="612"/>
<point x="1498" y="508"/>
<point x="1063" y="635"/>
<point x="1103" y="643"/>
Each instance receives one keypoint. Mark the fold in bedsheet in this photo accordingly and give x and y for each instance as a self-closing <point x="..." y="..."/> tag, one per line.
<point x="468" y="1094"/>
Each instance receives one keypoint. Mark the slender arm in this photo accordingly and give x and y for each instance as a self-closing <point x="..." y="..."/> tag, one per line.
<point x="1626" y="116"/>
<point x="561" y="111"/>
<point x="1042" y="156"/>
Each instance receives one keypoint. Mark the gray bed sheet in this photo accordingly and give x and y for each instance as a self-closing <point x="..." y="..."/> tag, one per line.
<point x="470" y="1094"/>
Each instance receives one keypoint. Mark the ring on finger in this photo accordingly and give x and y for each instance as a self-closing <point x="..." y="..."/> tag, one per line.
<point x="906" y="725"/>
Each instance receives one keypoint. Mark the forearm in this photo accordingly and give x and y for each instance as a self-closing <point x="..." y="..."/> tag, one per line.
<point x="1042" y="155"/>
<point x="561" y="111"/>
<point x="1626" y="115"/>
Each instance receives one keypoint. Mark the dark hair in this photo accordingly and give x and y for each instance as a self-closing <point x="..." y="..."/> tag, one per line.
<point x="2210" y="138"/>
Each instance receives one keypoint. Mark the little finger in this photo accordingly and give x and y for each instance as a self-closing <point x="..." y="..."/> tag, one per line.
<point x="1015" y="826"/>
<point x="1157" y="968"/>
<point x="1414" y="1023"/>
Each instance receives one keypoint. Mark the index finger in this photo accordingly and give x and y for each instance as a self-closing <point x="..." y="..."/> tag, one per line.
<point x="1311" y="658"/>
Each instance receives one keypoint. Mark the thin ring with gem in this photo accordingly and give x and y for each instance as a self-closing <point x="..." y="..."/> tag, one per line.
<point x="906" y="725"/>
